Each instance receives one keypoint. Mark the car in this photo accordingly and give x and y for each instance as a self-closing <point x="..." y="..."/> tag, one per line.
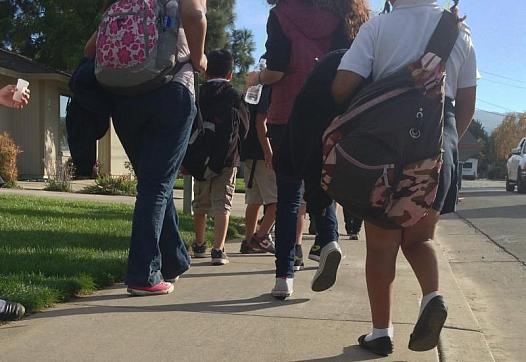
<point x="470" y="169"/>
<point x="516" y="168"/>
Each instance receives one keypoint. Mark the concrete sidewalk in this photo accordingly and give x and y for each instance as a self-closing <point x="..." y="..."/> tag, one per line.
<point x="226" y="314"/>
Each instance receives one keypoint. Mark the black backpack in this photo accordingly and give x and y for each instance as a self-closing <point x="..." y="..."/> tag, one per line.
<point x="382" y="157"/>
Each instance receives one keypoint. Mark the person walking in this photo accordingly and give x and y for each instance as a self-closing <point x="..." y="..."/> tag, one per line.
<point x="154" y="127"/>
<point x="384" y="45"/>
<point x="299" y="32"/>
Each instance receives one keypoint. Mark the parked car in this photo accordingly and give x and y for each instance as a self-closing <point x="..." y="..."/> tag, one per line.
<point x="516" y="175"/>
<point x="470" y="169"/>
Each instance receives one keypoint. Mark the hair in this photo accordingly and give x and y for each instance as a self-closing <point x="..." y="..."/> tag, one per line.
<point x="220" y="63"/>
<point x="353" y="12"/>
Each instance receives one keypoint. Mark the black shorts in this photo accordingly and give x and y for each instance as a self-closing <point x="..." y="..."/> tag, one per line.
<point x="447" y="195"/>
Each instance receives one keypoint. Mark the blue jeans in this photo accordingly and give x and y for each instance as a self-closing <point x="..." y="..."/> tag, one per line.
<point x="289" y="200"/>
<point x="154" y="129"/>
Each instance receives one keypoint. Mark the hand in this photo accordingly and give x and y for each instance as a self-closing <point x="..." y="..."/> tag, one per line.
<point x="6" y="97"/>
<point x="252" y="79"/>
<point x="268" y="160"/>
<point x="200" y="64"/>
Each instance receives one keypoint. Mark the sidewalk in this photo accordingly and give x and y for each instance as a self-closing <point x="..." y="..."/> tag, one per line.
<point x="226" y="314"/>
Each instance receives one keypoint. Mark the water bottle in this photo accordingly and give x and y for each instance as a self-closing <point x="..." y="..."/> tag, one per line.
<point x="253" y="94"/>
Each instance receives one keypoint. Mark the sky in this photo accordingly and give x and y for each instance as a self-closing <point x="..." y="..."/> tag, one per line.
<point x="499" y="34"/>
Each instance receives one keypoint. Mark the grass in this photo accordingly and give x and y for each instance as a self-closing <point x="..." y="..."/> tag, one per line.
<point x="240" y="184"/>
<point x="53" y="249"/>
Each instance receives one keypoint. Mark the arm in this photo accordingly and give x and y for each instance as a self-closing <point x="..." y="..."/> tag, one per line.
<point x="91" y="46"/>
<point x="464" y="108"/>
<point x="195" y="25"/>
<point x="261" y="130"/>
<point x="345" y="85"/>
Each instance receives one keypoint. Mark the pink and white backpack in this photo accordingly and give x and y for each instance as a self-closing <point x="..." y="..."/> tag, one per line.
<point x="137" y="45"/>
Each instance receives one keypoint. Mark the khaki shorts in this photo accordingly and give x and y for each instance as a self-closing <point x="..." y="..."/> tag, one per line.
<point x="264" y="190"/>
<point x="214" y="196"/>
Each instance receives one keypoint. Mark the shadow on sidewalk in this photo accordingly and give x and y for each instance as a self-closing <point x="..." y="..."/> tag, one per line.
<point x="236" y="306"/>
<point x="351" y="353"/>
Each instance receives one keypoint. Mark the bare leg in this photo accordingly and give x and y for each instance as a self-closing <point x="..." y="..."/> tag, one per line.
<point x="300" y="223"/>
<point x="268" y="220"/>
<point x="200" y="227"/>
<point x="418" y="249"/>
<point x="382" y="250"/>
<point x="220" y="229"/>
<point x="251" y="220"/>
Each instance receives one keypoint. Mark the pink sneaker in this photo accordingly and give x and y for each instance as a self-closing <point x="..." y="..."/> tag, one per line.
<point x="157" y="289"/>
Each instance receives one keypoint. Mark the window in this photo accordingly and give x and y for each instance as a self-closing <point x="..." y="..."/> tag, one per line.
<point x="468" y="165"/>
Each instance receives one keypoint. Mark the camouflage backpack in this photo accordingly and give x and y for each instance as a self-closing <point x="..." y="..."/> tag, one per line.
<point x="382" y="157"/>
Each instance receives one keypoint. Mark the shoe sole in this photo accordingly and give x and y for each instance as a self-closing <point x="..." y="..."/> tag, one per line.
<point x="172" y="280"/>
<point x="298" y="267"/>
<point x="144" y="293"/>
<point x="314" y="257"/>
<point x="199" y="255"/>
<point x="218" y="262"/>
<point x="430" y="322"/>
<point x="325" y="276"/>
<point x="281" y="295"/>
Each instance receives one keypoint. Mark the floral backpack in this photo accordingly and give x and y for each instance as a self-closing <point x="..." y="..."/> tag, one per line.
<point x="137" y="45"/>
<point x="382" y="157"/>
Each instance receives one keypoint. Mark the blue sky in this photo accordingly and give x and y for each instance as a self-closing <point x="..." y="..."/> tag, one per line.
<point x="499" y="35"/>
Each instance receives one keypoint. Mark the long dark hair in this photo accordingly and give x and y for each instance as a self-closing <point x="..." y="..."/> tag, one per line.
<point x="353" y="12"/>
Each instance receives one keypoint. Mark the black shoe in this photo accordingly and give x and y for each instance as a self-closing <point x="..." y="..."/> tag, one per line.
<point x="219" y="257"/>
<point x="382" y="346"/>
<point x="353" y="236"/>
<point x="314" y="253"/>
<point x="427" y="330"/>
<point x="247" y="248"/>
<point x="199" y="250"/>
<point x="12" y="311"/>
<point x="298" y="258"/>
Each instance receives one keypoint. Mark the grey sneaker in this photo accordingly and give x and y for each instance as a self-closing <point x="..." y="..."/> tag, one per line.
<point x="325" y="276"/>
<point x="353" y="236"/>
<point x="199" y="250"/>
<point x="266" y="244"/>
<point x="283" y="288"/>
<point x="219" y="257"/>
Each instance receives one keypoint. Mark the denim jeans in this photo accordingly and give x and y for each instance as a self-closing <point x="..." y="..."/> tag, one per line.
<point x="154" y="129"/>
<point x="289" y="200"/>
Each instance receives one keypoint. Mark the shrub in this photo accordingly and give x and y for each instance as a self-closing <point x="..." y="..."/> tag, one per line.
<point x="59" y="179"/>
<point x="8" y="154"/>
<point x="108" y="185"/>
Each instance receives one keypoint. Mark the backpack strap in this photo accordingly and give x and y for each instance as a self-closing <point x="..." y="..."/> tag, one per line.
<point x="445" y="36"/>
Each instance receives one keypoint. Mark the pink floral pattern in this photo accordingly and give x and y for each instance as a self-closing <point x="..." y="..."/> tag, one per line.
<point x="121" y="42"/>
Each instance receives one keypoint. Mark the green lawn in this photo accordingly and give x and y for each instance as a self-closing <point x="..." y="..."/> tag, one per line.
<point x="240" y="184"/>
<point x="52" y="249"/>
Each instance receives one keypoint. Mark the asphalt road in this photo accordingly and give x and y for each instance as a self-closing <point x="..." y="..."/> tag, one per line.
<point x="499" y="214"/>
<point x="488" y="261"/>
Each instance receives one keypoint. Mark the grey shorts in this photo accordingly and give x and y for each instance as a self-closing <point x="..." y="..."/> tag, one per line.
<point x="214" y="196"/>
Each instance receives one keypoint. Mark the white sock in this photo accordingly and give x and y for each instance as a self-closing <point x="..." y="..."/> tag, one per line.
<point x="425" y="300"/>
<point x="379" y="333"/>
<point x="2" y="305"/>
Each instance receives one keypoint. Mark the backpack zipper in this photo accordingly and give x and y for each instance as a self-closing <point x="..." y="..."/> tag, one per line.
<point x="363" y="165"/>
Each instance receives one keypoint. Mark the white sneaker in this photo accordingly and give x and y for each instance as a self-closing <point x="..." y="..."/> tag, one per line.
<point x="325" y="276"/>
<point x="283" y="288"/>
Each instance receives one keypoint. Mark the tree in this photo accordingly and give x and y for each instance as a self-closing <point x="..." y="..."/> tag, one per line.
<point x="508" y="134"/>
<point x="220" y="17"/>
<point x="52" y="32"/>
<point x="242" y="46"/>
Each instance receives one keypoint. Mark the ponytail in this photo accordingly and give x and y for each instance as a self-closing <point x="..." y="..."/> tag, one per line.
<point x="387" y="7"/>
<point x="454" y="10"/>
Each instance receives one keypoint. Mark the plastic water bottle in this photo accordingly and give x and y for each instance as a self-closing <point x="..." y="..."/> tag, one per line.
<point x="254" y="93"/>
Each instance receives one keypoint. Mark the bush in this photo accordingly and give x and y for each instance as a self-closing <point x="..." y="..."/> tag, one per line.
<point x="108" y="185"/>
<point x="8" y="154"/>
<point x="59" y="179"/>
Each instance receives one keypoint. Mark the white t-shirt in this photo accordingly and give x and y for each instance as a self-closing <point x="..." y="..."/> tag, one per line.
<point x="388" y="42"/>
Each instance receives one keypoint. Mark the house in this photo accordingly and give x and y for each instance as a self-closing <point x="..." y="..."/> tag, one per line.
<point x="39" y="129"/>
<point x="469" y="147"/>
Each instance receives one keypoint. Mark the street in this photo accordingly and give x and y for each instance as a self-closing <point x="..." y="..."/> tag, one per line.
<point x="489" y="263"/>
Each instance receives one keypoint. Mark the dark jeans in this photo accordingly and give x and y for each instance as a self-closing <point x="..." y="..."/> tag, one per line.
<point x="353" y="224"/>
<point x="289" y="200"/>
<point x="154" y="129"/>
